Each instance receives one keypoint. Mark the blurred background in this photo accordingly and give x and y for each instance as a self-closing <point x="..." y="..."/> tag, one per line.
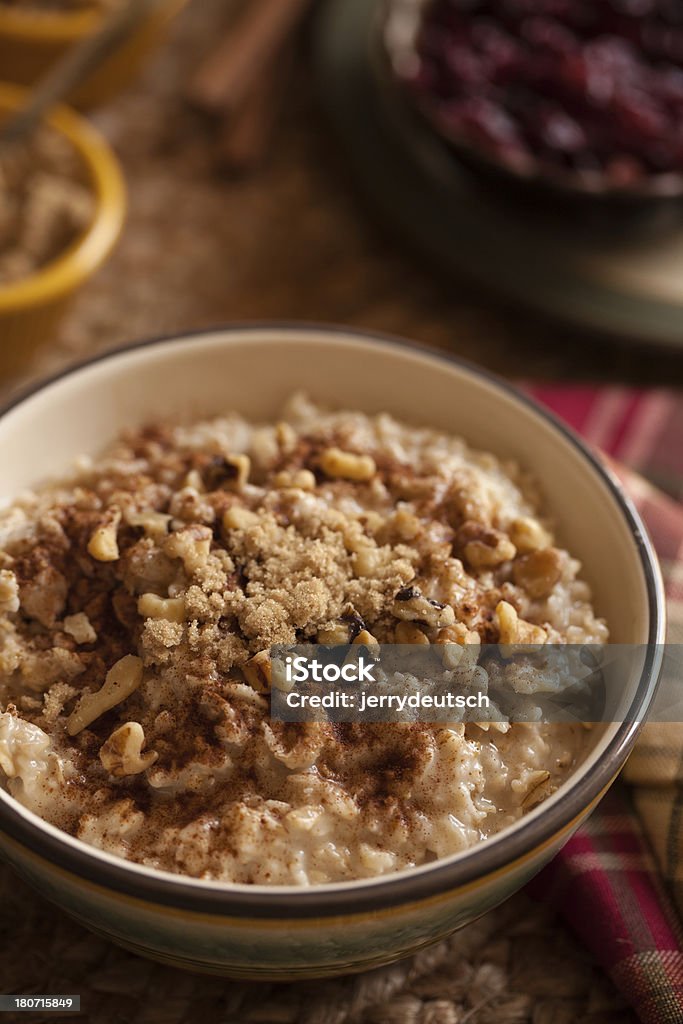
<point x="313" y="161"/>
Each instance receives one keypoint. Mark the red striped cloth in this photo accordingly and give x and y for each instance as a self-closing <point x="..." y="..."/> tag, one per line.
<point x="616" y="882"/>
<point x="641" y="429"/>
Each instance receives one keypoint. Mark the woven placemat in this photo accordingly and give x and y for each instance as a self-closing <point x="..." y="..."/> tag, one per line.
<point x="516" y="965"/>
<point x="198" y="250"/>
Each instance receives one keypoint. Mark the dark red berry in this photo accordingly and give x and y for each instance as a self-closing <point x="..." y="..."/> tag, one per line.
<point x="582" y="84"/>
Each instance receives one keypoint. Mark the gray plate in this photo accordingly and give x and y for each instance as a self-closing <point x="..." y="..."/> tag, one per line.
<point x="629" y="288"/>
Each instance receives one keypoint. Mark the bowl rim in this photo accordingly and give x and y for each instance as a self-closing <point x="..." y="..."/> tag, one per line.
<point x="91" y="247"/>
<point x="498" y="853"/>
<point x="44" y="27"/>
<point x="37" y="26"/>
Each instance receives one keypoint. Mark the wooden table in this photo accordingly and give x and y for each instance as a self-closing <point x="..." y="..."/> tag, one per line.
<point x="288" y="242"/>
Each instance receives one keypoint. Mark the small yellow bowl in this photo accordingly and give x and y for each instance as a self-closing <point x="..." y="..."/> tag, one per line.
<point x="32" y="40"/>
<point x="31" y="307"/>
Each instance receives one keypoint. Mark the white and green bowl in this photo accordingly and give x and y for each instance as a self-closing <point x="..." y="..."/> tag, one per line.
<point x="289" y="932"/>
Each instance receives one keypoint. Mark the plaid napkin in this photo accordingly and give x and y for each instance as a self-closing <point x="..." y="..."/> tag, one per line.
<point x="619" y="880"/>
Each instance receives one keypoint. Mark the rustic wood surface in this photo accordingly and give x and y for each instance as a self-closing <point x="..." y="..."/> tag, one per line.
<point x="290" y="241"/>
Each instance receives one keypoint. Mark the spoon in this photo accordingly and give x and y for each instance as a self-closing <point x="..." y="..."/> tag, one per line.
<point x="76" y="65"/>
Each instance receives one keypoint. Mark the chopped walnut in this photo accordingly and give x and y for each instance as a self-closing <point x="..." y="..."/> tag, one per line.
<point x="337" y="633"/>
<point x="193" y="481"/>
<point x="409" y="633"/>
<point x="103" y="545"/>
<point x="192" y="545"/>
<point x="538" y="572"/>
<point x="239" y="518"/>
<point x="482" y="546"/>
<point x="458" y="634"/>
<point x="454" y="639"/>
<point x="122" y="679"/>
<point x="300" y="479"/>
<point x="347" y="466"/>
<point x="155" y="524"/>
<point x="227" y="472"/>
<point x="258" y="672"/>
<point x="368" y="561"/>
<point x="122" y="753"/>
<point x="513" y="630"/>
<point x="527" y="534"/>
<point x="406" y="524"/>
<point x="366" y="639"/>
<point x="151" y="606"/>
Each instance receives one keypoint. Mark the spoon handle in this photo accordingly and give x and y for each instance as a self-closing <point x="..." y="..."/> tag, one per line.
<point x="74" y="68"/>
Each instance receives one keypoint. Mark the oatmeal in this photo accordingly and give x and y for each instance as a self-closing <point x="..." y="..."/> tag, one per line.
<point x="44" y="205"/>
<point x="139" y="601"/>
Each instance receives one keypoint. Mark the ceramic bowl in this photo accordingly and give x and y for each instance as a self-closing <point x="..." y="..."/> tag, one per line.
<point x="655" y="202"/>
<point x="32" y="307"/>
<point x="33" y="40"/>
<point x="289" y="932"/>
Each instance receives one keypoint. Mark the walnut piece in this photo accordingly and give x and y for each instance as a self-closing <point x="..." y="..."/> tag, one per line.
<point x="409" y="633"/>
<point x="192" y="545"/>
<point x="155" y="524"/>
<point x="337" y="633"/>
<point x="103" y="545"/>
<point x="527" y="534"/>
<point x="122" y="753"/>
<point x="151" y="606"/>
<point x="538" y="572"/>
<point x="239" y="518"/>
<point x="300" y="479"/>
<point x="366" y="638"/>
<point x="122" y="679"/>
<point x="258" y="672"/>
<point x="482" y="546"/>
<point x="346" y="465"/>
<point x="456" y="640"/>
<point x="241" y="465"/>
<point x="513" y="630"/>
<point x="225" y="473"/>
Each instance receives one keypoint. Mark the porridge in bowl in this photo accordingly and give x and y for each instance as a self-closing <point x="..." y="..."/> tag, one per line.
<point x="139" y="601"/>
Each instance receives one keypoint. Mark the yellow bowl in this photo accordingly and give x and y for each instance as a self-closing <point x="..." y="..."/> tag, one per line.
<point x="31" y="307"/>
<point x="32" y="40"/>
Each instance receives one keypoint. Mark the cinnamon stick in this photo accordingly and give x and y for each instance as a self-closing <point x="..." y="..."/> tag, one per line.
<point x="228" y="75"/>
<point x="244" y="138"/>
